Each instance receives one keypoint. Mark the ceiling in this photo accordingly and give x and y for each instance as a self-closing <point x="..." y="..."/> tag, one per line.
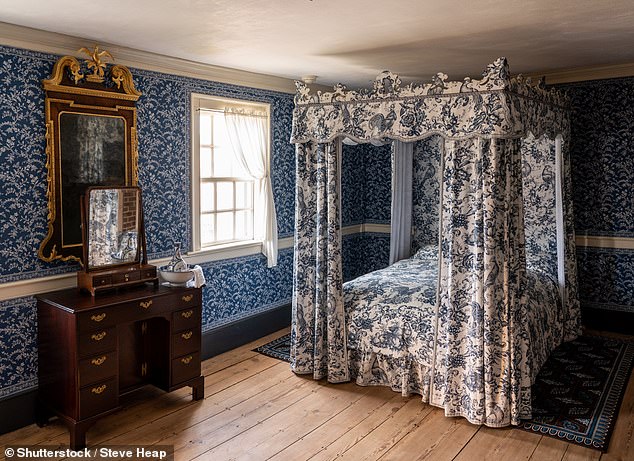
<point x="351" y="41"/>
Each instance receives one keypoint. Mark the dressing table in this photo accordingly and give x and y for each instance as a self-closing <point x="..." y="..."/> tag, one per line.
<point x="93" y="349"/>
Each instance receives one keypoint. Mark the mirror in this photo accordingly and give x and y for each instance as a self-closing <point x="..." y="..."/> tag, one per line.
<point x="90" y="141"/>
<point x="113" y="226"/>
<point x="113" y="240"/>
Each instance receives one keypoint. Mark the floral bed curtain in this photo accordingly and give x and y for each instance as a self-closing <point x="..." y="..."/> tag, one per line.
<point x="318" y="339"/>
<point x="480" y="367"/>
<point x="480" y="359"/>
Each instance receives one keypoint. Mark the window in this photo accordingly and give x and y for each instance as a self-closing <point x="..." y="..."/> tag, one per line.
<point x="230" y="175"/>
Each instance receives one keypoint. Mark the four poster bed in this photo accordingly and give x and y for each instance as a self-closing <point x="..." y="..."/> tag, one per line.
<point x="469" y="319"/>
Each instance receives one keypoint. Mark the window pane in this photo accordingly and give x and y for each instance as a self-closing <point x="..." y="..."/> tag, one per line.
<point x="207" y="196"/>
<point x="241" y="194"/>
<point x="205" y="162"/>
<point x="220" y="131"/>
<point x="244" y="225"/>
<point x="225" y="226"/>
<point x="225" y="195"/>
<point x="205" y="128"/>
<point x="223" y="160"/>
<point x="206" y="229"/>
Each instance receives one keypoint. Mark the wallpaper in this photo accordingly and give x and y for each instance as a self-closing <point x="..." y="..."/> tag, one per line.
<point x="602" y="154"/>
<point x="366" y="184"/>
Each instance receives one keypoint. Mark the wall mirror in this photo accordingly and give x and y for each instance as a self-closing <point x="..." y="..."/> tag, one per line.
<point x="90" y="140"/>
<point x="114" y="251"/>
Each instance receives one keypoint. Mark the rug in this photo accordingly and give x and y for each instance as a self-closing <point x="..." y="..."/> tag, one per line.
<point x="578" y="391"/>
<point x="577" y="394"/>
<point x="279" y="348"/>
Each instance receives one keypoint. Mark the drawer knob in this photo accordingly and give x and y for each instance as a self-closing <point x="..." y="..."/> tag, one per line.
<point x="187" y="298"/>
<point x="99" y="361"/>
<point x="98" y="317"/>
<point x="145" y="304"/>
<point x="98" y="390"/>
<point x="98" y="336"/>
<point x="187" y="335"/>
<point x="127" y="277"/>
<point x="187" y="359"/>
<point x="187" y="314"/>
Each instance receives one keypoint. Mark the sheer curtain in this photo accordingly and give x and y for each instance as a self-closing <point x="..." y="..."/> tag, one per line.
<point x="401" y="215"/>
<point x="247" y="133"/>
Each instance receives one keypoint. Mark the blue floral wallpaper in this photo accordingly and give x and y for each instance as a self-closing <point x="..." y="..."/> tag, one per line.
<point x="602" y="150"/>
<point x="366" y="184"/>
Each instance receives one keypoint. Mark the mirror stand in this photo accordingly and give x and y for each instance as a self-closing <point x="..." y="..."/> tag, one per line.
<point x="113" y="234"/>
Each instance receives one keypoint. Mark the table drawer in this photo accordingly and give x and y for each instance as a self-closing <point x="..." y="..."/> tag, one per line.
<point x="97" y="341"/>
<point x="185" y="368"/>
<point x="95" y="319"/>
<point x="97" y="368"/>
<point x="126" y="277"/>
<point x="186" y="342"/>
<point x="186" y="319"/>
<point x="98" y="397"/>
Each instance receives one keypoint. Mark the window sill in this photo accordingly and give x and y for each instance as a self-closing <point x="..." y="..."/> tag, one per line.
<point x="225" y="251"/>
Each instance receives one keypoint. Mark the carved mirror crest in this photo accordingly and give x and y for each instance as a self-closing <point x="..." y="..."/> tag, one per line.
<point x="90" y="141"/>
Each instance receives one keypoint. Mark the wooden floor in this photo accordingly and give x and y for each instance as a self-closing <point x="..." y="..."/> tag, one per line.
<point x="257" y="409"/>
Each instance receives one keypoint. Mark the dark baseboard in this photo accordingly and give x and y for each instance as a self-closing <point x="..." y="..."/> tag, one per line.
<point x="235" y="334"/>
<point x="608" y="320"/>
<point x="19" y="411"/>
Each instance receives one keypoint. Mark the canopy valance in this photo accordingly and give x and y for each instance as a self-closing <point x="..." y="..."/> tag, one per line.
<point x="497" y="106"/>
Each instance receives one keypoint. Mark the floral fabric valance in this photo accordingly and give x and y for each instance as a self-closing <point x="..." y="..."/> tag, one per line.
<point x="497" y="106"/>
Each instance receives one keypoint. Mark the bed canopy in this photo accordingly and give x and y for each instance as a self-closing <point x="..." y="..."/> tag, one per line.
<point x="479" y="354"/>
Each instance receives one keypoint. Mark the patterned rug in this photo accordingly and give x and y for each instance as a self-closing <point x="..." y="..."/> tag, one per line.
<point x="578" y="391"/>
<point x="279" y="348"/>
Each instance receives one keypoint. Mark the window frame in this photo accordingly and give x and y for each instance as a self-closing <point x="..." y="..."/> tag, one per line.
<point x="201" y="102"/>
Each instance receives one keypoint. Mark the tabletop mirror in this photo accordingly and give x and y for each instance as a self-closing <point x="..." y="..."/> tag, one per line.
<point x="114" y="251"/>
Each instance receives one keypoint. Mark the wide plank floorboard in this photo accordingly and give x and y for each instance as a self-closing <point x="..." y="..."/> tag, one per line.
<point x="256" y="409"/>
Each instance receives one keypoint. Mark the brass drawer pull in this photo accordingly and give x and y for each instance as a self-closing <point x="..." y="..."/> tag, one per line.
<point x="99" y="361"/>
<point x="187" y="314"/>
<point x="187" y="335"/>
<point x="99" y="336"/>
<point x="186" y="360"/>
<point x="98" y="390"/>
<point x="145" y="304"/>
<point x="127" y="277"/>
<point x="98" y="318"/>
<point x="187" y="298"/>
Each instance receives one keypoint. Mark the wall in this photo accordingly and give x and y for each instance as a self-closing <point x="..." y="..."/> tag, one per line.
<point x="236" y="288"/>
<point x="602" y="150"/>
<point x="365" y="199"/>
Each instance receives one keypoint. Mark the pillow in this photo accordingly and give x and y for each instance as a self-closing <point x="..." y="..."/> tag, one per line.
<point x="427" y="252"/>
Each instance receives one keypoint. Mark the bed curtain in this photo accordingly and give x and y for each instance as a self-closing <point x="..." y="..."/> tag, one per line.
<point x="479" y="367"/>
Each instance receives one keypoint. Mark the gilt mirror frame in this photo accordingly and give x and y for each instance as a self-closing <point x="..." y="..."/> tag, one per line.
<point x="91" y="140"/>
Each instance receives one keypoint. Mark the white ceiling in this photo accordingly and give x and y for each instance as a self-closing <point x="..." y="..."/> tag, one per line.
<point x="350" y="41"/>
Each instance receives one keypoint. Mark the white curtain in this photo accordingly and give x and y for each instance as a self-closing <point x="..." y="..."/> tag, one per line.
<point x="247" y="133"/>
<point x="401" y="215"/>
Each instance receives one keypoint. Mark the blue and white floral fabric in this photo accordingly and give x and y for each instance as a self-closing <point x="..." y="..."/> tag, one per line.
<point x="480" y="365"/>
<point x="390" y="316"/>
<point x="318" y="342"/>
